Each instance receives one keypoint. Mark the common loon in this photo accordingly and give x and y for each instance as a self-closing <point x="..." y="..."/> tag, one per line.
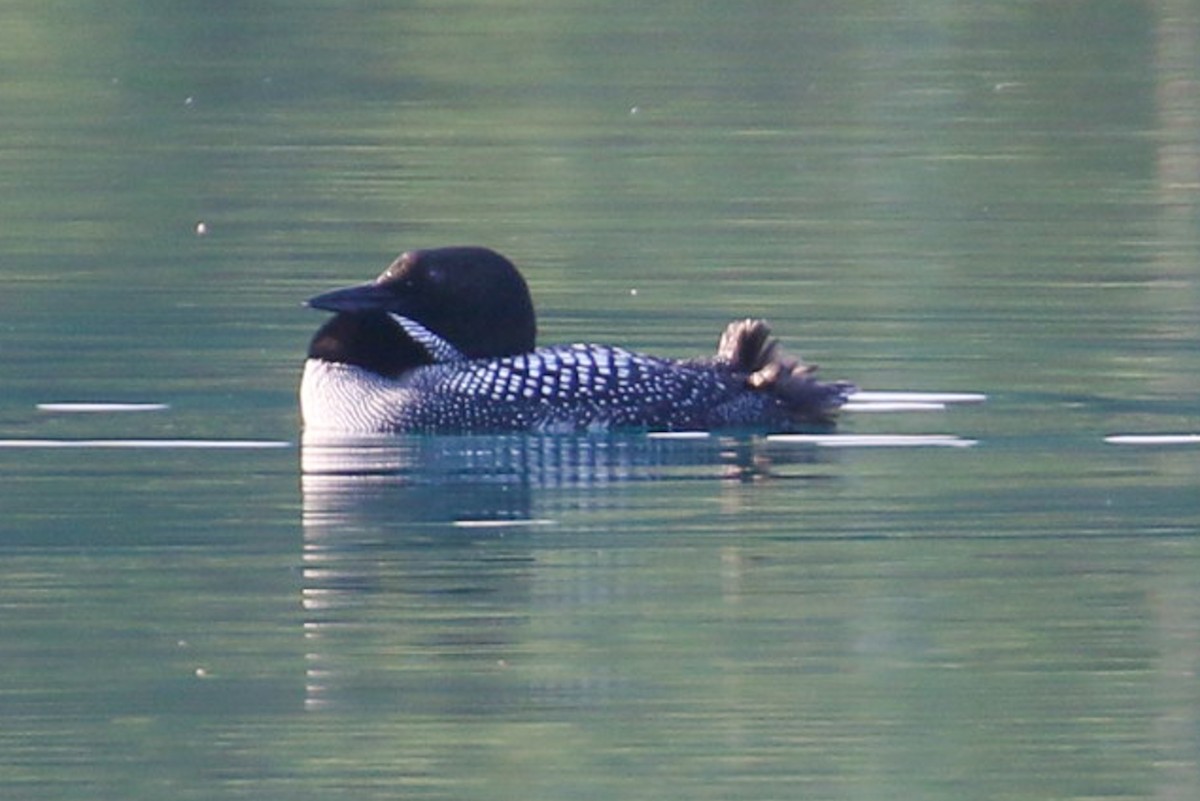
<point x="443" y="341"/>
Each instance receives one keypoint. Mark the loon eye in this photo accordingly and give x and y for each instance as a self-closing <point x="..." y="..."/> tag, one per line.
<point x="399" y="271"/>
<point x="396" y="279"/>
<point x="435" y="276"/>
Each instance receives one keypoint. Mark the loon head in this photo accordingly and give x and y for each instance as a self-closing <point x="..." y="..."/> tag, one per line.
<point x="471" y="297"/>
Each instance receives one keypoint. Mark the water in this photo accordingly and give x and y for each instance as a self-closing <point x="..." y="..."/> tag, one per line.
<point x="994" y="198"/>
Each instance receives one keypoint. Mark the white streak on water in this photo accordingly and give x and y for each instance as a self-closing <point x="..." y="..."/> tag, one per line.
<point x="876" y="440"/>
<point x="1153" y="439"/>
<point x="917" y="397"/>
<point x="893" y="406"/>
<point x="502" y="523"/>
<point x="101" y="407"/>
<point x="242" y="444"/>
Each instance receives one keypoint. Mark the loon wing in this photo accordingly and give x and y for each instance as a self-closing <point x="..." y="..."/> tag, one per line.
<point x="439" y="350"/>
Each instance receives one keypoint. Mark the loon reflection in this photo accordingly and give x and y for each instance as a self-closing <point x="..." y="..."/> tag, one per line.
<point x="423" y="553"/>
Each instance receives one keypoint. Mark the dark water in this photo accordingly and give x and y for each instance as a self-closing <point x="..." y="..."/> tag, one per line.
<point x="1001" y="198"/>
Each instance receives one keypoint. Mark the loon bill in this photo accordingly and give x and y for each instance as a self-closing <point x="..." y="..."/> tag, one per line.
<point x="443" y="341"/>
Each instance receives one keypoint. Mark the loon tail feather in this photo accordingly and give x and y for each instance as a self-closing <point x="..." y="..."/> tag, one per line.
<point x="747" y="346"/>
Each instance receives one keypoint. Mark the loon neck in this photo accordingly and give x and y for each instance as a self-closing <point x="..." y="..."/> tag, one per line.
<point x="370" y="340"/>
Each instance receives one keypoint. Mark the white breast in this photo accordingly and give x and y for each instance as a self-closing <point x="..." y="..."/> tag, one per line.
<point x="345" y="398"/>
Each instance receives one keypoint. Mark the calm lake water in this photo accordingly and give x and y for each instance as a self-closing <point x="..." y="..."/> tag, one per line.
<point x="998" y="198"/>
